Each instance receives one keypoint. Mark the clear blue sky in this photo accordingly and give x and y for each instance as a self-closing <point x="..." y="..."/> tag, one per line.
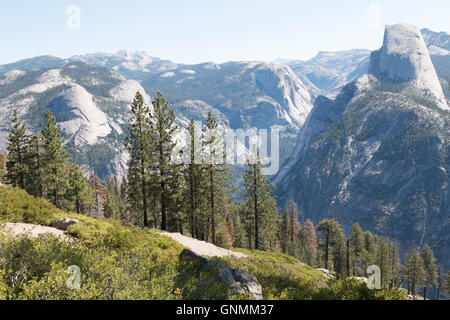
<point x="208" y="30"/>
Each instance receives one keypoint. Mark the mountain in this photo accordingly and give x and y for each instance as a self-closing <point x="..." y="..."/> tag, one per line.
<point x="329" y="71"/>
<point x="90" y="104"/>
<point x="32" y="63"/>
<point x="404" y="60"/>
<point x="438" y="42"/>
<point x="136" y="65"/>
<point x="242" y="94"/>
<point x="379" y="153"/>
<point x="90" y="98"/>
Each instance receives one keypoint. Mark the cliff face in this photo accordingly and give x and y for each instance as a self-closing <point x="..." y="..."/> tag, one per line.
<point x="404" y="59"/>
<point x="379" y="154"/>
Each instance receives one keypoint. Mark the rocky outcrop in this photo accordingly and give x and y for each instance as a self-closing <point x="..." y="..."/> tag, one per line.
<point x="208" y="279"/>
<point x="78" y="116"/>
<point x="31" y="230"/>
<point x="64" y="223"/>
<point x="362" y="279"/>
<point x="376" y="155"/>
<point x="327" y="273"/>
<point x="404" y="59"/>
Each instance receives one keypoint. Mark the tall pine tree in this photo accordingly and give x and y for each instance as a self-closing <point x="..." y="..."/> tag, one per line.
<point x="55" y="159"/>
<point x="18" y="150"/>
<point x="162" y="145"/>
<point x="262" y="212"/>
<point x="430" y="268"/>
<point x="139" y="147"/>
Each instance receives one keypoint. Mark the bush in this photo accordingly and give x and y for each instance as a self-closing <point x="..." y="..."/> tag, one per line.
<point x="116" y="262"/>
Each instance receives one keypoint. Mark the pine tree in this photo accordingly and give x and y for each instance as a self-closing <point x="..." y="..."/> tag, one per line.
<point x="383" y="260"/>
<point x="369" y="253"/>
<point x="77" y="192"/>
<point x="293" y="225"/>
<point x="162" y="144"/>
<point x="414" y="270"/>
<point x="310" y="242"/>
<point x="430" y="278"/>
<point x="195" y="180"/>
<point x="99" y="196"/>
<point x="283" y="237"/>
<point x="3" y="161"/>
<point x="17" y="152"/>
<point x="356" y="250"/>
<point x="55" y="160"/>
<point x="396" y="279"/>
<point x="112" y="207"/>
<point x="139" y="148"/>
<point x="37" y="187"/>
<point x="217" y="174"/>
<point x="447" y="283"/>
<point x="339" y="251"/>
<point x="329" y="231"/>
<point x="262" y="211"/>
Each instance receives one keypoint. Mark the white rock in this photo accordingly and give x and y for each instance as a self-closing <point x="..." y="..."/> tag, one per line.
<point x="404" y="58"/>
<point x="86" y="121"/>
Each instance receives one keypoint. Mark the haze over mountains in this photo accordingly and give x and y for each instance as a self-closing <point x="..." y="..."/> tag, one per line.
<point x="365" y="136"/>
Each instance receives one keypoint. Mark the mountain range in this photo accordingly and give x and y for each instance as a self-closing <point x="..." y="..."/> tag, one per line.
<point x="364" y="135"/>
<point x="379" y="153"/>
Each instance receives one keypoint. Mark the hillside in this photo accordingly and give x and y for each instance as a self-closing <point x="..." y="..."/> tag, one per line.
<point x="119" y="262"/>
<point x="379" y="153"/>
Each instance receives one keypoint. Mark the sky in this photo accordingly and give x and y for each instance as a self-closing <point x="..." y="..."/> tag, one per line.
<point x="206" y="30"/>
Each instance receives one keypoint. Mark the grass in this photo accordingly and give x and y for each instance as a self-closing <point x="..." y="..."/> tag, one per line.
<point x="119" y="262"/>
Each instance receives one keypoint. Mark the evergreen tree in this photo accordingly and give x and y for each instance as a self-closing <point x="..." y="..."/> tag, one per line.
<point x="162" y="144"/>
<point x="112" y="207"/>
<point x="383" y="260"/>
<point x="3" y="161"/>
<point x="339" y="251"/>
<point x="77" y="192"/>
<point x="99" y="196"/>
<point x="413" y="270"/>
<point x="55" y="160"/>
<point x="262" y="211"/>
<point x="139" y="148"/>
<point x="17" y="151"/>
<point x="293" y="226"/>
<point x="37" y="185"/>
<point x="309" y="242"/>
<point x="447" y="283"/>
<point x="283" y="237"/>
<point x="329" y="231"/>
<point x="217" y="173"/>
<point x="430" y="278"/>
<point x="396" y="279"/>
<point x="356" y="250"/>
<point x="195" y="181"/>
<point x="369" y="253"/>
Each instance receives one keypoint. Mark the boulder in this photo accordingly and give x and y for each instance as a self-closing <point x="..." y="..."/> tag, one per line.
<point x="63" y="223"/>
<point x="412" y="297"/>
<point x="210" y="277"/>
<point x="326" y="272"/>
<point x="363" y="279"/>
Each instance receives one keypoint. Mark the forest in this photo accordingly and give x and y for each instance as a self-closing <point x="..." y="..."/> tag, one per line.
<point x="198" y="199"/>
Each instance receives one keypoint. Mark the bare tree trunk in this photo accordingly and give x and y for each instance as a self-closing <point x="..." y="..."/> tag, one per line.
<point x="163" y="207"/>
<point x="348" y="258"/>
<point x="144" y="195"/>
<point x="327" y="241"/>
<point x="213" y="219"/>
<point x="256" y="210"/>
